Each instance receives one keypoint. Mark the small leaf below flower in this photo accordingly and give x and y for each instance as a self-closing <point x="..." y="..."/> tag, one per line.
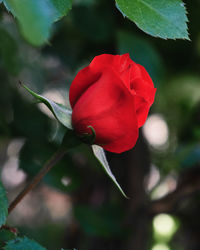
<point x="101" y="157"/>
<point x="62" y="113"/>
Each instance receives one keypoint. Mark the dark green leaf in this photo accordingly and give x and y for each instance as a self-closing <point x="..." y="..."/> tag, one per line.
<point x="3" y="205"/>
<point x="35" y="17"/>
<point x="101" y="157"/>
<point x="8" y="52"/>
<point x="165" y="19"/>
<point x="62" y="113"/>
<point x="62" y="7"/>
<point x="5" y="235"/>
<point x="23" y="244"/>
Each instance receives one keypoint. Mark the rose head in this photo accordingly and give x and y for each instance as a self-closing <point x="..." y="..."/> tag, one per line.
<point x="113" y="95"/>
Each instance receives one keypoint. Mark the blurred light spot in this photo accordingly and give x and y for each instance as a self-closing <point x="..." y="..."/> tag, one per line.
<point x="58" y="204"/>
<point x="28" y="211"/>
<point x="168" y="185"/>
<point x="164" y="225"/>
<point x="11" y="175"/>
<point x="79" y="158"/>
<point x="53" y="95"/>
<point x="65" y="181"/>
<point x="41" y="206"/>
<point x="156" y="131"/>
<point x="160" y="247"/>
<point x="153" y="178"/>
<point x="52" y="62"/>
<point x="160" y="191"/>
<point x="14" y="147"/>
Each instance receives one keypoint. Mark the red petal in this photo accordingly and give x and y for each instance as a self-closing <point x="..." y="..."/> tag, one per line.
<point x="142" y="110"/>
<point x="107" y="106"/>
<point x="83" y="80"/>
<point x="144" y="74"/>
<point x="144" y="91"/>
<point x="122" y="65"/>
<point x="118" y="62"/>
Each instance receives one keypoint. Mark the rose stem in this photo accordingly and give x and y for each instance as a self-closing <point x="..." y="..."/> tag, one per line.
<point x="45" y="169"/>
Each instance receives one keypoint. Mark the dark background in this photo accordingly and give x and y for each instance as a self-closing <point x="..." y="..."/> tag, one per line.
<point x="76" y="205"/>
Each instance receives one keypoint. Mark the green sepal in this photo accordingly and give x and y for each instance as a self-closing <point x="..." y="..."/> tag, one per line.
<point x="101" y="157"/>
<point x="61" y="113"/>
<point x="88" y="138"/>
<point x="70" y="140"/>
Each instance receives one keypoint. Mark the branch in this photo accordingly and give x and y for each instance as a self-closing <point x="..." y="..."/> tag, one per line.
<point x="57" y="156"/>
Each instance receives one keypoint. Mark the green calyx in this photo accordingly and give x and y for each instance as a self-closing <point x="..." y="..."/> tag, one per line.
<point x="87" y="137"/>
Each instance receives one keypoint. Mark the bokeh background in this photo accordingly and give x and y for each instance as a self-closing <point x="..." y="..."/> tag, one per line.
<point x="76" y="206"/>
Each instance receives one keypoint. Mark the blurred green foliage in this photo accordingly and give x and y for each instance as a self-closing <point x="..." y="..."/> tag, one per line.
<point x="36" y="17"/>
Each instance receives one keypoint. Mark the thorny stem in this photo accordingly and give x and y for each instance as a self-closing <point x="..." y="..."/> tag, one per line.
<point x="56" y="157"/>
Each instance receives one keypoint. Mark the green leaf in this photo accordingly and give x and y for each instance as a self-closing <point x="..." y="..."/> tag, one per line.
<point x="8" y="52"/>
<point x="3" y="205"/>
<point x="101" y="157"/>
<point x="5" y="235"/>
<point x="23" y="244"/>
<point x="88" y="138"/>
<point x="62" y="7"/>
<point x="35" y="17"/>
<point x="165" y="19"/>
<point x="70" y="140"/>
<point x="62" y="113"/>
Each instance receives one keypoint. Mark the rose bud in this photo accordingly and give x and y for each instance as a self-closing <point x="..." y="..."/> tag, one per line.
<point x="113" y="96"/>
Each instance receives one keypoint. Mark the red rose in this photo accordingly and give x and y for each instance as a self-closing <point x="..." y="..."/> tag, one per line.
<point x="113" y="95"/>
